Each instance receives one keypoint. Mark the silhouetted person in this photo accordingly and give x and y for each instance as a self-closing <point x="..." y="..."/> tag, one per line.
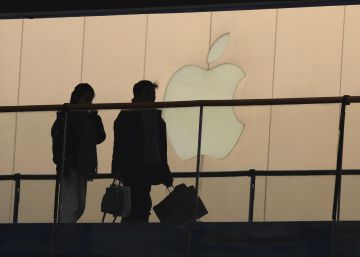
<point x="84" y="131"/>
<point x="140" y="151"/>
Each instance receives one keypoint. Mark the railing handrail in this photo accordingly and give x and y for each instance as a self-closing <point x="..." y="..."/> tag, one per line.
<point x="177" y="104"/>
<point x="69" y="9"/>
<point x="209" y="174"/>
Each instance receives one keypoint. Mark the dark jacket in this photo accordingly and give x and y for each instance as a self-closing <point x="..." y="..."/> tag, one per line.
<point x="129" y="153"/>
<point x="84" y="131"/>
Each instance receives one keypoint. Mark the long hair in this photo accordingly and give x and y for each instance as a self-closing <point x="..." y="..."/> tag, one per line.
<point x="79" y="91"/>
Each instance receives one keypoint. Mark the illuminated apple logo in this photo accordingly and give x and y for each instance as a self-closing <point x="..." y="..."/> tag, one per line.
<point x="221" y="128"/>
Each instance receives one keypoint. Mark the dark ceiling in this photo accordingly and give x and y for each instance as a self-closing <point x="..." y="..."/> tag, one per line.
<point x="66" y="8"/>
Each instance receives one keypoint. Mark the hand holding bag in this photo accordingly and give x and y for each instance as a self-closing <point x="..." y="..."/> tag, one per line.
<point x="116" y="201"/>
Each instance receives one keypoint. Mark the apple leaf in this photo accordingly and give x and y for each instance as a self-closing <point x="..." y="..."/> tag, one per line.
<point x="218" y="48"/>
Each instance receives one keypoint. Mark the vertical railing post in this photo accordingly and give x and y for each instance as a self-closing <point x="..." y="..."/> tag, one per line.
<point x="59" y="177"/>
<point x="56" y="201"/>
<point x="198" y="160"/>
<point x="337" y="190"/>
<point x="252" y="195"/>
<point x="16" y="198"/>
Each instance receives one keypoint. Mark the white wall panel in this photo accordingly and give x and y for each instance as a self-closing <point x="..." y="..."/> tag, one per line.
<point x="351" y="54"/>
<point x="51" y="60"/>
<point x="10" y="38"/>
<point x="302" y="139"/>
<point x="308" y="52"/>
<point x="114" y="54"/>
<point x="51" y="67"/>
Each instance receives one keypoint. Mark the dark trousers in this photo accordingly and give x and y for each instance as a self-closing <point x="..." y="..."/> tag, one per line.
<point x="140" y="203"/>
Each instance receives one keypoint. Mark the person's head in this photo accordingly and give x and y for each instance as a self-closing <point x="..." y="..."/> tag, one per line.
<point x="144" y="91"/>
<point x="83" y="94"/>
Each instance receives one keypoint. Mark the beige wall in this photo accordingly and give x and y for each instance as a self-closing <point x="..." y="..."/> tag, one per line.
<point x="300" y="52"/>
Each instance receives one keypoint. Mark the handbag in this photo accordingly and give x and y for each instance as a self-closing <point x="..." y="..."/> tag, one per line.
<point x="179" y="206"/>
<point x="116" y="201"/>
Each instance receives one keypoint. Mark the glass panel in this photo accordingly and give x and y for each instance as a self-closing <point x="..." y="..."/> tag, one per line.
<point x="303" y="137"/>
<point x="240" y="139"/>
<point x="7" y="139"/>
<point x="299" y="198"/>
<point x="33" y="155"/>
<point x="226" y="199"/>
<point x="350" y="209"/>
<point x="235" y="139"/>
<point x="349" y="206"/>
<point x="6" y="201"/>
<point x="351" y="158"/>
<point x="36" y="201"/>
<point x="7" y="142"/>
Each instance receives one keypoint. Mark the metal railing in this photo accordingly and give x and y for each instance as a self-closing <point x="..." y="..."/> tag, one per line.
<point x="338" y="172"/>
<point x="110" y="7"/>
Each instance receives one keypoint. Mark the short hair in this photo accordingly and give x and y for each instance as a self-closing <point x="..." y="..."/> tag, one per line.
<point x="80" y="90"/>
<point x="142" y="86"/>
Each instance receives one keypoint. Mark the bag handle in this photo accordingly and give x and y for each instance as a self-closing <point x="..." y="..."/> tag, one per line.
<point x="168" y="191"/>
<point x="116" y="180"/>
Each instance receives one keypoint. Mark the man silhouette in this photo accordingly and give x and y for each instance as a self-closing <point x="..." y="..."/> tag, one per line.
<point x="140" y="151"/>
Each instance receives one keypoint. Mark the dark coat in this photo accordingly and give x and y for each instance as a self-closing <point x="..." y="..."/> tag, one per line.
<point x="75" y="122"/>
<point x="128" y="154"/>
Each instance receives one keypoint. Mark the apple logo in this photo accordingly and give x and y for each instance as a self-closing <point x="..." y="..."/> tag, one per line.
<point x="221" y="128"/>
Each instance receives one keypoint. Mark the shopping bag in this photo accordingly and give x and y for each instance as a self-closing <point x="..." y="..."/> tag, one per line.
<point x="179" y="206"/>
<point x="116" y="201"/>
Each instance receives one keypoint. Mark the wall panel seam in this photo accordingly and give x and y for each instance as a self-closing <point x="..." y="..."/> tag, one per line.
<point x="146" y="40"/>
<point x="210" y="36"/>
<point x="16" y="116"/>
<point x="342" y="51"/>
<point x="82" y="51"/>
<point x="271" y="109"/>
